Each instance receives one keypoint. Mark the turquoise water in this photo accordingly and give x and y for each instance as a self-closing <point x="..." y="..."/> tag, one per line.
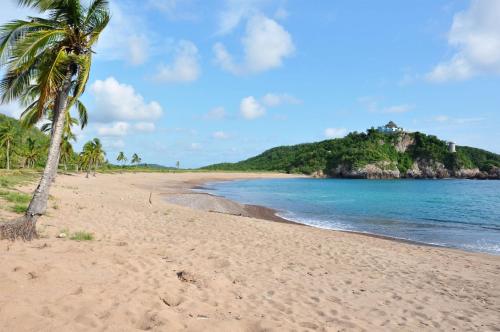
<point x="461" y="214"/>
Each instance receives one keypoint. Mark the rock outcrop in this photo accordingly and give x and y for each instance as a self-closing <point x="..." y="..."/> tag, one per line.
<point x="421" y="169"/>
<point x="381" y="170"/>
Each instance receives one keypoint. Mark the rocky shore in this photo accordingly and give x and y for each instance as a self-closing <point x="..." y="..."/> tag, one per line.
<point x="419" y="170"/>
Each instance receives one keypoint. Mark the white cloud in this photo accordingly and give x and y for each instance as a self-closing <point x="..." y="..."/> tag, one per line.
<point x="116" y="129"/>
<point x="175" y="9"/>
<point x="441" y="118"/>
<point x="335" y="132"/>
<point x="457" y="121"/>
<point x="185" y="67"/>
<point x="475" y="34"/>
<point x="125" y="38"/>
<point x="216" y="113"/>
<point x="266" y="44"/>
<point x="372" y="105"/>
<point x="220" y="135"/>
<point x="115" y="101"/>
<point x="138" y="49"/>
<point x="12" y="109"/>
<point x="251" y="109"/>
<point x="397" y="109"/>
<point x="234" y="12"/>
<point x="113" y="144"/>
<point x="195" y="146"/>
<point x="274" y="100"/>
<point x="146" y="127"/>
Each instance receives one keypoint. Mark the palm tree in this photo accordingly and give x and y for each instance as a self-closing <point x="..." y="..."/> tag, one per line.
<point x="92" y="155"/>
<point x="135" y="159"/>
<point x="67" y="151"/>
<point x="121" y="158"/>
<point x="32" y="153"/>
<point x="48" y="63"/>
<point x="8" y="134"/>
<point x="69" y="121"/>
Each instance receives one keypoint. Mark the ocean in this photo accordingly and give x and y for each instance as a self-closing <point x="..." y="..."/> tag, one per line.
<point x="462" y="214"/>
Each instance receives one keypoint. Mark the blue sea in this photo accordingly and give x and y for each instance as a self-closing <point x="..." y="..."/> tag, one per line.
<point x="462" y="214"/>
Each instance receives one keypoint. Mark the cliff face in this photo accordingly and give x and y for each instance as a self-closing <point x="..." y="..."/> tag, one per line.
<point x="381" y="170"/>
<point x="419" y="170"/>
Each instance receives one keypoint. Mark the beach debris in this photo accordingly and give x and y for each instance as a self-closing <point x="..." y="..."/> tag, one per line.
<point x="32" y="275"/>
<point x="185" y="276"/>
<point x="171" y="301"/>
<point x="151" y="198"/>
<point x="62" y="235"/>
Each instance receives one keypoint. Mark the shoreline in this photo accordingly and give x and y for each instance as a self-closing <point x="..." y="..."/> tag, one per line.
<point x="270" y="214"/>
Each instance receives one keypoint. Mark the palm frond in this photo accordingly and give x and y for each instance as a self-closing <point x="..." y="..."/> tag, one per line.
<point x="82" y="113"/>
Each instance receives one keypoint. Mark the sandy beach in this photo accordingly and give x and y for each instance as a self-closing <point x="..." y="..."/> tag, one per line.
<point x="167" y="259"/>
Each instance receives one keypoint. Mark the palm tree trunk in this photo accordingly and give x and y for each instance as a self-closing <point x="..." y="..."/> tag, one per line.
<point x="8" y="155"/>
<point x="38" y="204"/>
<point x="25" y="227"/>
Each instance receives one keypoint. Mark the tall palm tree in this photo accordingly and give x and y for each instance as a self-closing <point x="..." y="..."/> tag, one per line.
<point x="135" y="159"/>
<point x="66" y="151"/>
<point x="92" y="155"/>
<point x="121" y="158"/>
<point x="48" y="64"/>
<point x="32" y="153"/>
<point x="8" y="134"/>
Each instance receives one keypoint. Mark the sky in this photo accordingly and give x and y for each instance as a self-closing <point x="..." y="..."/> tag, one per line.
<point x="202" y="82"/>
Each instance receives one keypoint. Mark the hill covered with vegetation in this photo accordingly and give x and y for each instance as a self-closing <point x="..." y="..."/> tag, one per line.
<point x="24" y="147"/>
<point x="375" y="154"/>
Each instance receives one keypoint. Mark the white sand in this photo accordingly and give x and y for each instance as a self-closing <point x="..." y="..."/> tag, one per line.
<point x="164" y="267"/>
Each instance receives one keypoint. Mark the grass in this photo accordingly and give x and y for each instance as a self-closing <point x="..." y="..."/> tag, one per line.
<point x="82" y="236"/>
<point x="15" y="197"/>
<point x="19" y="208"/>
<point x="14" y="178"/>
<point x="9" y="180"/>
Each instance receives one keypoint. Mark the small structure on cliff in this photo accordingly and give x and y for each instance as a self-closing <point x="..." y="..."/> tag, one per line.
<point x="452" y="147"/>
<point x="390" y="128"/>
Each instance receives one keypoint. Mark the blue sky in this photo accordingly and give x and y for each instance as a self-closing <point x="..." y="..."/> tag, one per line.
<point x="202" y="82"/>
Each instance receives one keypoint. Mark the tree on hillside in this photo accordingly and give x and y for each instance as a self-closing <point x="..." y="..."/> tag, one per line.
<point x="8" y="134"/>
<point x="92" y="155"/>
<point x="135" y="159"/>
<point x="121" y="158"/>
<point x="48" y="63"/>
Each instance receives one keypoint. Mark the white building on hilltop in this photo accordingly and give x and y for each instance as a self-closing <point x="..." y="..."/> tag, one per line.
<point x="389" y="128"/>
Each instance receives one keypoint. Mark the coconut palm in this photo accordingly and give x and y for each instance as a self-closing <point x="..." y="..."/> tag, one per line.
<point x="48" y="63"/>
<point x="92" y="155"/>
<point x="67" y="151"/>
<point x="32" y="153"/>
<point x="8" y="134"/>
<point x="121" y="158"/>
<point x="135" y="159"/>
<point x="69" y="122"/>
